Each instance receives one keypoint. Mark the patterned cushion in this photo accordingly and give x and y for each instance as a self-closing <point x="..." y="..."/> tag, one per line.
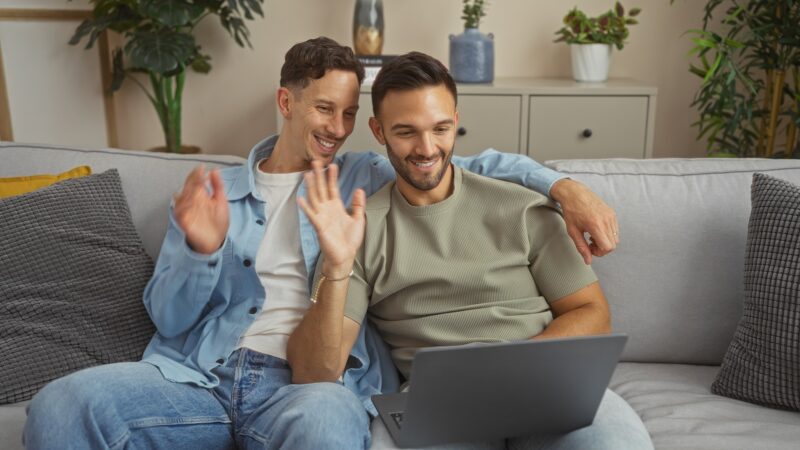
<point x="72" y="273"/>
<point x="762" y="364"/>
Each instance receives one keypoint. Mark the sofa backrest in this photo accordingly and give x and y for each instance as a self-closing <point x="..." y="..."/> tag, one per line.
<point x="675" y="281"/>
<point x="149" y="179"/>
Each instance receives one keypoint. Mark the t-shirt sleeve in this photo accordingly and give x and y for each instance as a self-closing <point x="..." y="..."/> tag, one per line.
<point x="555" y="264"/>
<point x="358" y="291"/>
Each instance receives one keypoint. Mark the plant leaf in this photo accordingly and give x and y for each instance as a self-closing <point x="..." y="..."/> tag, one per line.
<point x="161" y="52"/>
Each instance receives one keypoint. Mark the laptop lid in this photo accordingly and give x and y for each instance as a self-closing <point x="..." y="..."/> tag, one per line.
<point x="492" y="391"/>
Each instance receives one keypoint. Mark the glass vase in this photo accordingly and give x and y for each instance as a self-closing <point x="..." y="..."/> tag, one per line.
<point x="368" y="27"/>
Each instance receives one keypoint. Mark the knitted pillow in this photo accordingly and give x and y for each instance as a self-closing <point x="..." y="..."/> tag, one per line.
<point x="762" y="364"/>
<point x="72" y="273"/>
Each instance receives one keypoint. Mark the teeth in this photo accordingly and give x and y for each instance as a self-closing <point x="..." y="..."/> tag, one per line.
<point x="426" y="164"/>
<point x="326" y="144"/>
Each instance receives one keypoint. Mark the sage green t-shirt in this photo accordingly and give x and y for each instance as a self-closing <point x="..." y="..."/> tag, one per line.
<point x="480" y="266"/>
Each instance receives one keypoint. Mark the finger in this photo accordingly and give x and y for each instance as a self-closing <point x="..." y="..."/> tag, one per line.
<point x="359" y="202"/>
<point x="191" y="179"/>
<point x="333" y="181"/>
<point x="603" y="237"/>
<point x="580" y="243"/>
<point x="217" y="185"/>
<point x="319" y="175"/>
<point x="311" y="189"/>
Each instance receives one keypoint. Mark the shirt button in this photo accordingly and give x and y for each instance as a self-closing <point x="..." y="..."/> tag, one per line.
<point x="253" y="310"/>
<point x="212" y="264"/>
<point x="247" y="263"/>
<point x="221" y="361"/>
<point x="260" y="222"/>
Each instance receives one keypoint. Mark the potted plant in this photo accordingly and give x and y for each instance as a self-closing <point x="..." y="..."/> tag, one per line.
<point x="591" y="40"/>
<point x="749" y="99"/>
<point x="472" y="52"/>
<point x="158" y="42"/>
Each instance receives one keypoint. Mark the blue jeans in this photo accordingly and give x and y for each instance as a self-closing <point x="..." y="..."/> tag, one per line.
<point x="132" y="406"/>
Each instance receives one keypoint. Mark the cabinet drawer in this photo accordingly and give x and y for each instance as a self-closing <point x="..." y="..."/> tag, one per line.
<point x="488" y="121"/>
<point x="587" y="127"/>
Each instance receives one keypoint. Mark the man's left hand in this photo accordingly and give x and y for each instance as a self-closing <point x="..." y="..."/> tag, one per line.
<point x="585" y="212"/>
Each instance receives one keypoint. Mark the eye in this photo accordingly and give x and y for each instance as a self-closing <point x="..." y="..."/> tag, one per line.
<point x="441" y="130"/>
<point x="324" y="109"/>
<point x="404" y="133"/>
<point x="350" y="114"/>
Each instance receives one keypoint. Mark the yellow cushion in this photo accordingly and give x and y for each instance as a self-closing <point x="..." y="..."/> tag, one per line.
<point x="10" y="187"/>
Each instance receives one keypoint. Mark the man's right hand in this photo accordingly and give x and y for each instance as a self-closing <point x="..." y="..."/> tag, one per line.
<point x="202" y="216"/>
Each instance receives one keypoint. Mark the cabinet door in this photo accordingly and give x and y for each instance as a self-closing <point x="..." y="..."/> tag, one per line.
<point x="488" y="121"/>
<point x="485" y="121"/>
<point x="566" y="127"/>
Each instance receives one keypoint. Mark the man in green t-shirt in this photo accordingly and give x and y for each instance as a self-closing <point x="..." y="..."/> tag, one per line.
<point x="448" y="257"/>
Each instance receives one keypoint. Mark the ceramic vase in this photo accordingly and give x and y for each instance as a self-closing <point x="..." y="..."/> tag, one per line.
<point x="590" y="62"/>
<point x="472" y="57"/>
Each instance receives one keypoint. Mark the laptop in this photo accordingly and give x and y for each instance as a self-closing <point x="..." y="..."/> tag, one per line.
<point x="493" y="391"/>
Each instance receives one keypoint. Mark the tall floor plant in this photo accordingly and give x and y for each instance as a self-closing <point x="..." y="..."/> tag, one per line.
<point x="748" y="55"/>
<point x="159" y="42"/>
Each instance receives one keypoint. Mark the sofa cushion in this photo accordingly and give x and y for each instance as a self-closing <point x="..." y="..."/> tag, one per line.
<point x="72" y="273"/>
<point x="12" y="421"/>
<point x="148" y="178"/>
<point x="20" y="185"/>
<point x="762" y="364"/>
<point x="674" y="283"/>
<point x="680" y="412"/>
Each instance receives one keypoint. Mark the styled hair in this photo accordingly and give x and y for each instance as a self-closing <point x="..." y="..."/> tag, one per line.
<point x="410" y="71"/>
<point x="309" y="60"/>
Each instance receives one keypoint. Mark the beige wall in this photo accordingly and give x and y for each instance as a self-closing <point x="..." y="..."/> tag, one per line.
<point x="231" y="108"/>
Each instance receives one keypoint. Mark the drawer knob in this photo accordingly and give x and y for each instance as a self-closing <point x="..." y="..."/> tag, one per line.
<point x="587" y="133"/>
<point x="461" y="131"/>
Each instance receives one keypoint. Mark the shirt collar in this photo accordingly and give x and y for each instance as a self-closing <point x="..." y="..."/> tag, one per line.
<point x="244" y="182"/>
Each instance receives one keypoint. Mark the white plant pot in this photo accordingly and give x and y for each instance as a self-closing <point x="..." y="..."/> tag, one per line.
<point x="590" y="61"/>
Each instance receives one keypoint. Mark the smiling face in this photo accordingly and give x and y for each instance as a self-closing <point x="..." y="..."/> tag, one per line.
<point x="418" y="128"/>
<point x="318" y="117"/>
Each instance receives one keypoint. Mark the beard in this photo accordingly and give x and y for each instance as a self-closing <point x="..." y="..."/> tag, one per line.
<point x="422" y="182"/>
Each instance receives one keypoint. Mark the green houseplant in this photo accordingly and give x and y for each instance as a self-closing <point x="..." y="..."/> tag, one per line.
<point x="749" y="60"/>
<point x="591" y="39"/>
<point x="158" y="42"/>
<point x="472" y="13"/>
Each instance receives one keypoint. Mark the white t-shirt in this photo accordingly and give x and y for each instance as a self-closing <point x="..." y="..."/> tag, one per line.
<point x="280" y="266"/>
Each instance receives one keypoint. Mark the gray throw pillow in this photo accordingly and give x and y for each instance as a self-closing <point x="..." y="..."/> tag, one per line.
<point x="762" y="364"/>
<point x="72" y="273"/>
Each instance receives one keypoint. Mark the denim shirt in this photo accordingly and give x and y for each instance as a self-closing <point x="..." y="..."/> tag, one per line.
<point x="202" y="304"/>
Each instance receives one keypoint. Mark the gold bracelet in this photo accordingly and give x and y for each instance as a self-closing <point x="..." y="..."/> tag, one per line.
<point x="322" y="278"/>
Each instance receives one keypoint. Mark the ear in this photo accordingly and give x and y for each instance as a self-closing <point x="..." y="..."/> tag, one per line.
<point x="455" y="118"/>
<point x="285" y="100"/>
<point x="377" y="130"/>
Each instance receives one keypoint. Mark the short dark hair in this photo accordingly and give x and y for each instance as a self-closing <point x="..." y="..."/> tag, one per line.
<point x="410" y="71"/>
<point x="309" y="60"/>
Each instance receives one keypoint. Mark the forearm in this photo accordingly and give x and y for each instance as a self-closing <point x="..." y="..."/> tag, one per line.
<point x="181" y="286"/>
<point x="315" y="346"/>
<point x="590" y="319"/>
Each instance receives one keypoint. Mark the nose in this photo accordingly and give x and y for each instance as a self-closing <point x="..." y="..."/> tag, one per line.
<point x="336" y="126"/>
<point x="427" y="146"/>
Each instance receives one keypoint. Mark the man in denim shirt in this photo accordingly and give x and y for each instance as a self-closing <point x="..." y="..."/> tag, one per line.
<point x="233" y="280"/>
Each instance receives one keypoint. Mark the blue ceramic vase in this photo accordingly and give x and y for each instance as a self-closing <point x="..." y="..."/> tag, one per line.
<point x="472" y="56"/>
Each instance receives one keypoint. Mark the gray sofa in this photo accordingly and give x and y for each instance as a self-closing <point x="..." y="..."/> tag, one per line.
<point x="674" y="285"/>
